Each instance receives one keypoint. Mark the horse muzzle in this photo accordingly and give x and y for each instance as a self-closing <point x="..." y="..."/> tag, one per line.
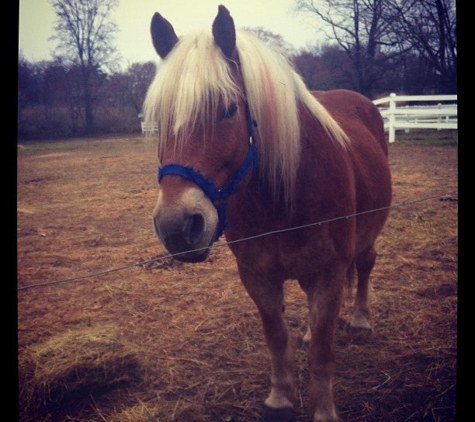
<point x="186" y="225"/>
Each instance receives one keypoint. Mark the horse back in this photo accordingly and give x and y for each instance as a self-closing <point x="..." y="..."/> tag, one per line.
<point x="354" y="112"/>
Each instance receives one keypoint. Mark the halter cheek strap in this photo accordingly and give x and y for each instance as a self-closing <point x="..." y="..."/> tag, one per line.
<point x="218" y="196"/>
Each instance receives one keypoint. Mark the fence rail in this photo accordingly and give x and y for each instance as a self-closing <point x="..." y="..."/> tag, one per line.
<point x="442" y="115"/>
<point x="149" y="127"/>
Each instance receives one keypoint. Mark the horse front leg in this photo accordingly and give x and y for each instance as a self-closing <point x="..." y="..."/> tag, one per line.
<point x="268" y="297"/>
<point x="324" y="293"/>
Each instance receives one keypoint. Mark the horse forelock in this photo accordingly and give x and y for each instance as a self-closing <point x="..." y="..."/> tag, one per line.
<point x="195" y="78"/>
<point x="188" y="87"/>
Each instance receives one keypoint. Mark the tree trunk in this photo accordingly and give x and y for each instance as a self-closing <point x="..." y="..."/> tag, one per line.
<point x="88" y="102"/>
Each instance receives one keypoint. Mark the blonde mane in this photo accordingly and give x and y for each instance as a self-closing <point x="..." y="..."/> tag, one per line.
<point x="195" y="78"/>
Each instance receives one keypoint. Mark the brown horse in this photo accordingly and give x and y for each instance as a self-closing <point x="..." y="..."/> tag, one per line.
<point x="246" y="149"/>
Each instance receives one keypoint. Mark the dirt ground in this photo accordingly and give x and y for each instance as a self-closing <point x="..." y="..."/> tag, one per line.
<point x="166" y="341"/>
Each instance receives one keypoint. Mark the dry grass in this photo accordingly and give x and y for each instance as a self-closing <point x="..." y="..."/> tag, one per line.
<point x="182" y="342"/>
<point x="74" y="365"/>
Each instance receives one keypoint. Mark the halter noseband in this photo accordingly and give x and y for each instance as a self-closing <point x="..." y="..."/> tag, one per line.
<point x="218" y="196"/>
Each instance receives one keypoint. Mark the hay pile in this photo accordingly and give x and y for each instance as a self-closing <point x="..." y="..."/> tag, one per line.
<point x="71" y="366"/>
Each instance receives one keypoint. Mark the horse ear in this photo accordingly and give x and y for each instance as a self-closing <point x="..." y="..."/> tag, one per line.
<point x="163" y="35"/>
<point x="224" y="32"/>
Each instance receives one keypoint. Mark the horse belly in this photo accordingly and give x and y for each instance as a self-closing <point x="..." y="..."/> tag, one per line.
<point x="373" y="198"/>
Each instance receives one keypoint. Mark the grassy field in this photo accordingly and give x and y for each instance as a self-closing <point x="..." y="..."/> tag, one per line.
<point x="166" y="341"/>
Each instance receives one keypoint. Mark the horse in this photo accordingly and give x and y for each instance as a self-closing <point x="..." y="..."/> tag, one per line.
<point x="245" y="149"/>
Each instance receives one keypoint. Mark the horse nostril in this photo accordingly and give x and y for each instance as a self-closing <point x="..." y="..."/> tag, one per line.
<point x="196" y="228"/>
<point x="155" y="226"/>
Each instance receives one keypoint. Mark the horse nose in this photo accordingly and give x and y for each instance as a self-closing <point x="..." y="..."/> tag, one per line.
<point x="186" y="229"/>
<point x="181" y="233"/>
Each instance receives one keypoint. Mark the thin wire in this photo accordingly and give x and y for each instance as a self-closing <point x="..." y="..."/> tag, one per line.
<point x="219" y="245"/>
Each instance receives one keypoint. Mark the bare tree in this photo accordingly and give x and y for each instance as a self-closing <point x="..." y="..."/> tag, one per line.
<point x="139" y="77"/>
<point x="273" y="40"/>
<point x="360" y="28"/>
<point x="429" y="27"/>
<point x="379" y="36"/>
<point x="323" y="67"/>
<point x="85" y="34"/>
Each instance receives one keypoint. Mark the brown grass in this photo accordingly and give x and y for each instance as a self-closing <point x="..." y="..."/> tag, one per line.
<point x="182" y="342"/>
<point x="74" y="365"/>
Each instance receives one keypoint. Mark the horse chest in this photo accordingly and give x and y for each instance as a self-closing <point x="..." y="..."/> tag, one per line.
<point x="288" y="255"/>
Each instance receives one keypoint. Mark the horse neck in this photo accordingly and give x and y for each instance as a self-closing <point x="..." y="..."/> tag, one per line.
<point x="254" y="207"/>
<point x="257" y="198"/>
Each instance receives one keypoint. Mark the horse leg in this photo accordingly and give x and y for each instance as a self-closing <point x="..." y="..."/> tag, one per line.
<point x="361" y="319"/>
<point x="324" y="295"/>
<point x="268" y="298"/>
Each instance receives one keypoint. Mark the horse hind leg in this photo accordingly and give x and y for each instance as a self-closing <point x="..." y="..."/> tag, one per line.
<point x="361" y="318"/>
<point x="308" y="333"/>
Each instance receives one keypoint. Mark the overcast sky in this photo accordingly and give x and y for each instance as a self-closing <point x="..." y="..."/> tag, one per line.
<point x="133" y="19"/>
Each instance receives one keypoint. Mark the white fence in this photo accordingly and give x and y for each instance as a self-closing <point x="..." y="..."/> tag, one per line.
<point x="149" y="127"/>
<point x="443" y="115"/>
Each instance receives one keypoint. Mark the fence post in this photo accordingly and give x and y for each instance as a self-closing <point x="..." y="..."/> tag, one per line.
<point x="392" y="108"/>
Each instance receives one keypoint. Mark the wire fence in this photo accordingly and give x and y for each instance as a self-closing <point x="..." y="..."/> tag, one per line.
<point x="221" y="244"/>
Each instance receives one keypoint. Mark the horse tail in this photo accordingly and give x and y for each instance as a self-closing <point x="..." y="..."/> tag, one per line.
<point x="380" y="133"/>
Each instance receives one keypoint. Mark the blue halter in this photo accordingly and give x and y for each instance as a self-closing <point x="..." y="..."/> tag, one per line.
<point x="218" y="196"/>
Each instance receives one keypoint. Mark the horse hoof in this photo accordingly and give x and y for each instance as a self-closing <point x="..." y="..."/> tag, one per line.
<point x="283" y="414"/>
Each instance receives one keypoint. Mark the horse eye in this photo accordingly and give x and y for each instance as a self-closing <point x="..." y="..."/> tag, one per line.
<point x="230" y="112"/>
